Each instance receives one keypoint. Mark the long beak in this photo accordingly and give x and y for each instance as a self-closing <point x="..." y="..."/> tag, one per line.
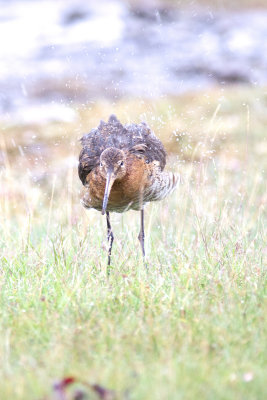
<point x="109" y="182"/>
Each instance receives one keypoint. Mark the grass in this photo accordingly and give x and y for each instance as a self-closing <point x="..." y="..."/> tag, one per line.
<point x="192" y="326"/>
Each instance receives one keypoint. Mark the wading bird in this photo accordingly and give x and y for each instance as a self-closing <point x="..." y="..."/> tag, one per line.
<point x="121" y="168"/>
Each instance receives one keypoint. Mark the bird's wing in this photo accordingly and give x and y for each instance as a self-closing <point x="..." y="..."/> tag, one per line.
<point x="145" y="144"/>
<point x="88" y="160"/>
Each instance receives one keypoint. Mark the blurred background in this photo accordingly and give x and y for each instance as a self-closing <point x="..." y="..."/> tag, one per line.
<point x="63" y="53"/>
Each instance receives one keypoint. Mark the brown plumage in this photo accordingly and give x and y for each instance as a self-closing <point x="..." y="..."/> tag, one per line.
<point x="121" y="168"/>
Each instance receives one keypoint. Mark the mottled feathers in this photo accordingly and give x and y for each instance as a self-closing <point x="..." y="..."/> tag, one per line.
<point x="137" y="139"/>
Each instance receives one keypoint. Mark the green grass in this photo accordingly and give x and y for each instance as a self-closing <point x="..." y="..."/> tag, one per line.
<point x="190" y="327"/>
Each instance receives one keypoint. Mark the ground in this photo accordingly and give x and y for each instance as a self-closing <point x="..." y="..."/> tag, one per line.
<point x="215" y="4"/>
<point x="192" y="325"/>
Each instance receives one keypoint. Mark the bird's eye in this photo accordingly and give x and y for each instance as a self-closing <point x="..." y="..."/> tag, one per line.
<point x="121" y="163"/>
<point x="101" y="164"/>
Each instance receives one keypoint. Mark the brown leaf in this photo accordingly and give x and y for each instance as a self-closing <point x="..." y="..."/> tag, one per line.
<point x="67" y="381"/>
<point x="79" y="395"/>
<point x="59" y="387"/>
<point x="103" y="393"/>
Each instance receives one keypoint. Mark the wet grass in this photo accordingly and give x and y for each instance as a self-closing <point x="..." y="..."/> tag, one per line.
<point x="192" y="326"/>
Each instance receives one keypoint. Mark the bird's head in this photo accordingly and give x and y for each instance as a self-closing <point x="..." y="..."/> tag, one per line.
<point x="112" y="167"/>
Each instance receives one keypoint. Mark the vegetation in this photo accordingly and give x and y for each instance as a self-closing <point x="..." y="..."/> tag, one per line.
<point x="192" y="326"/>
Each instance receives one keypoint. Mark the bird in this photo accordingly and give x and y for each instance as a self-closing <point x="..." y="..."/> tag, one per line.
<point x="122" y="168"/>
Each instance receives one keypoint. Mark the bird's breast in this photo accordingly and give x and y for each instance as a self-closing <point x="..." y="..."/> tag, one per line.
<point x="125" y="194"/>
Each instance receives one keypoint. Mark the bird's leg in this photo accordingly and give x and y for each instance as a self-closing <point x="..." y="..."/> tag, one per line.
<point x="141" y="236"/>
<point x="110" y="237"/>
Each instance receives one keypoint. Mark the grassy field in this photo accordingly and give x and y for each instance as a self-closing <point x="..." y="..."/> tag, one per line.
<point x="190" y="327"/>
